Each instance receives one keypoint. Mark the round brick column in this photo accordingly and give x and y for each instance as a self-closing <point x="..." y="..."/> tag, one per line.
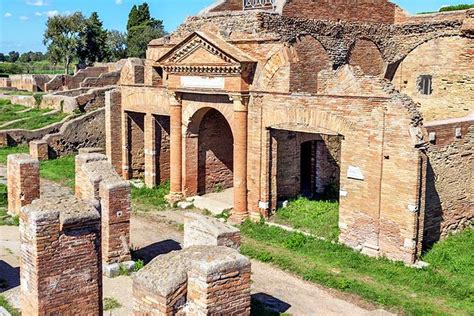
<point x="176" y="149"/>
<point x="240" y="212"/>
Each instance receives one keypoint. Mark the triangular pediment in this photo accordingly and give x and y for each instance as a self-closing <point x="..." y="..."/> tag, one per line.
<point x="205" y="49"/>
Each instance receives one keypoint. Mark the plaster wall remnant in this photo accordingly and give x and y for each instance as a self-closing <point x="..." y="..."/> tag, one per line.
<point x="199" y="280"/>
<point x="204" y="230"/>
<point x="60" y="264"/>
<point x="98" y="182"/>
<point x="23" y="181"/>
<point x="307" y="97"/>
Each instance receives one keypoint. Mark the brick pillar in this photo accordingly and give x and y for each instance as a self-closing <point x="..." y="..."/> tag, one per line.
<point x="176" y="148"/>
<point x="23" y="181"/>
<point x="115" y="211"/>
<point x="150" y="151"/>
<point x="240" y="212"/>
<point x="39" y="149"/>
<point x="60" y="264"/>
<point x="86" y="188"/>
<point x="113" y="128"/>
<point x="125" y="170"/>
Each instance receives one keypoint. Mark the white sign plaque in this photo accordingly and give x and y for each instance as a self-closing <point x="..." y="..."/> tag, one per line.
<point x="355" y="173"/>
<point x="202" y="82"/>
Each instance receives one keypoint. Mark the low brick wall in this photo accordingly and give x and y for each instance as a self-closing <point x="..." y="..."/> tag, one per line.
<point x="97" y="181"/>
<point x="67" y="82"/>
<point x="449" y="183"/>
<point x="23" y="181"/>
<point x="200" y="280"/>
<point x="204" y="230"/>
<point x="105" y="79"/>
<point x="60" y="266"/>
<point x="32" y="83"/>
<point x="5" y="83"/>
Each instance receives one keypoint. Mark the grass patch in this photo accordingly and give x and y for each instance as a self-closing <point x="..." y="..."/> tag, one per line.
<point x="38" y="121"/>
<point x="4" y="152"/>
<point x="319" y="218"/>
<point x="446" y="287"/>
<point x="8" y="307"/>
<point x="154" y="197"/>
<point x="61" y="170"/>
<point x="5" y="218"/>
<point x="110" y="304"/>
<point x="451" y="8"/>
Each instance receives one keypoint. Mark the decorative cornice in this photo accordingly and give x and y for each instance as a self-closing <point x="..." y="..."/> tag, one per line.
<point x="218" y="70"/>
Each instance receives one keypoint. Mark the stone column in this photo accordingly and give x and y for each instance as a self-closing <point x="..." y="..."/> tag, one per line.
<point x="240" y="130"/>
<point x="150" y="151"/>
<point x="125" y="147"/>
<point x="176" y="145"/>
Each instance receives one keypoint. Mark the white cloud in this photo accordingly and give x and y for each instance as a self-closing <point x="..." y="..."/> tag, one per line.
<point x="38" y="13"/>
<point x="24" y="18"/>
<point x="8" y="14"/>
<point x="52" y="13"/>
<point x="37" y="3"/>
<point x="118" y="2"/>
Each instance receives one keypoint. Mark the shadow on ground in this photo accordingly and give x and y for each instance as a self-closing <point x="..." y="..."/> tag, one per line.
<point x="9" y="276"/>
<point x="264" y="304"/>
<point x="151" y="251"/>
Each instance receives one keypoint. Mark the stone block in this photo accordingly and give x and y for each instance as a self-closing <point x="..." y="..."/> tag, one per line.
<point x="39" y="149"/>
<point x="91" y="150"/>
<point x="204" y="230"/>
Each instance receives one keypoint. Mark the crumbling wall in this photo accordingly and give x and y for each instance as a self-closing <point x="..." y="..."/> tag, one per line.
<point x="87" y="130"/>
<point x="33" y="83"/>
<point x="105" y="79"/>
<point x="60" y="266"/>
<point x="449" y="179"/>
<point x="5" y="83"/>
<point x="67" y="82"/>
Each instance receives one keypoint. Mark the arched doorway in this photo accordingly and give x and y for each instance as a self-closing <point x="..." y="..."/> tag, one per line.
<point x="209" y="157"/>
<point x="215" y="153"/>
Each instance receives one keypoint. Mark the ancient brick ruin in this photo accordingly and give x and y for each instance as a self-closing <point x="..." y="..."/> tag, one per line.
<point x="60" y="269"/>
<point x="23" y="182"/>
<point x="199" y="280"/>
<point x="279" y="99"/>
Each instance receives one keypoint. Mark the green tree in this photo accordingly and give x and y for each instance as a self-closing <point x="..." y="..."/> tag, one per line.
<point x="93" y="40"/>
<point x="13" y="56"/>
<point x="142" y="28"/>
<point x="63" y="37"/>
<point x="116" y="45"/>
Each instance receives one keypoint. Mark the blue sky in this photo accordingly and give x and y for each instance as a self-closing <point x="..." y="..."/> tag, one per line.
<point x="22" y="22"/>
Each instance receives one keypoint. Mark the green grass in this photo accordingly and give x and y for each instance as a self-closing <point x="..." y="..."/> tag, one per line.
<point x="61" y="170"/>
<point x="8" y="307"/>
<point x="446" y="287"/>
<point x="4" y="152"/>
<point x="110" y="304"/>
<point x="5" y="218"/>
<point x="154" y="197"/>
<point x="319" y="218"/>
<point x="451" y="8"/>
<point x="38" y="121"/>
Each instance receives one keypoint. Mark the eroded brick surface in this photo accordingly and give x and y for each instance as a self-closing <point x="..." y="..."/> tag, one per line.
<point x="23" y="181"/>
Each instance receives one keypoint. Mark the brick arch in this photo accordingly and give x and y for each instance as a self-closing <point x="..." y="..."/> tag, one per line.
<point x="209" y="152"/>
<point x="193" y="114"/>
<point x="309" y="57"/>
<point x="267" y="75"/>
<point x="365" y="54"/>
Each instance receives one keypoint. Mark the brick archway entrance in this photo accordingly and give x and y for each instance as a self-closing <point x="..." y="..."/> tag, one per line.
<point x="209" y="153"/>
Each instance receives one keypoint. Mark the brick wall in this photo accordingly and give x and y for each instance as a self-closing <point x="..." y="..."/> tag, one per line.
<point x="23" y="181"/>
<point x="381" y="11"/>
<point x="136" y="141"/>
<point x="113" y="128"/>
<point x="228" y="5"/>
<point x="367" y="56"/>
<point x="162" y="139"/>
<point x="449" y="194"/>
<point x="60" y="265"/>
<point x="215" y="156"/>
<point x="449" y="62"/>
<point x="308" y="58"/>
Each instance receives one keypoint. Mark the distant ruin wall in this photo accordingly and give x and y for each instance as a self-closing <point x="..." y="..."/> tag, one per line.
<point x="85" y="131"/>
<point x="33" y="83"/>
<point x="105" y="79"/>
<point x="449" y="193"/>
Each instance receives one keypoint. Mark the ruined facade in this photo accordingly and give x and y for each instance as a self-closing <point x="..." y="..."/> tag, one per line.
<point x="285" y="98"/>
